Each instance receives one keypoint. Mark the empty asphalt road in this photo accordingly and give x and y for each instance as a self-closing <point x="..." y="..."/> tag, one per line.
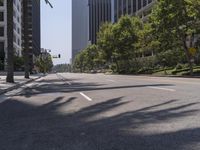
<point x="102" y="112"/>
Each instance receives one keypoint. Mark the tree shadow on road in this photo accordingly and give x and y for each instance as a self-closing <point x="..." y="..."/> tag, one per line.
<point x="59" y="86"/>
<point x="26" y="126"/>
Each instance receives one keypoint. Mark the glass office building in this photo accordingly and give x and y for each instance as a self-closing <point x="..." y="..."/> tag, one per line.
<point x="99" y="12"/>
<point x="131" y="7"/>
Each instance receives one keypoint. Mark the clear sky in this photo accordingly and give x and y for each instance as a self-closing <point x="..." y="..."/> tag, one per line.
<point x="56" y="29"/>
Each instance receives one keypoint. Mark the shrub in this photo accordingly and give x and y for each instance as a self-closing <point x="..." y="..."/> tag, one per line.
<point x="179" y="66"/>
<point x="18" y="63"/>
<point x="174" y="72"/>
<point x="145" y="70"/>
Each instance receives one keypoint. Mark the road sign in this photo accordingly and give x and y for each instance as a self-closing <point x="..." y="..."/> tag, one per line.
<point x="192" y="51"/>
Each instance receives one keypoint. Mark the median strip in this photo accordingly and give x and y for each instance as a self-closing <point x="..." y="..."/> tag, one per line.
<point x="85" y="96"/>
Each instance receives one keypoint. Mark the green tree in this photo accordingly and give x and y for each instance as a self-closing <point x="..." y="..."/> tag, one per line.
<point x="44" y="62"/>
<point x="79" y="62"/>
<point x="147" y="40"/>
<point x="174" y="21"/>
<point x="125" y="39"/>
<point x="91" y="56"/>
<point x="18" y="63"/>
<point x="117" y="42"/>
<point x="88" y="59"/>
<point x="105" y="42"/>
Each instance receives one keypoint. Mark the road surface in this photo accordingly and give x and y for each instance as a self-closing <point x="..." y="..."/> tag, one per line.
<point x="102" y="112"/>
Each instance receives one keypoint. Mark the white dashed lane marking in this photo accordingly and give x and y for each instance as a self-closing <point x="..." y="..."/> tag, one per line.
<point x="159" y="88"/>
<point x="85" y="96"/>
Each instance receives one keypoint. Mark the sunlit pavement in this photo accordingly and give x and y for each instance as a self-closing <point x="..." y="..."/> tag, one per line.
<point x="19" y="80"/>
<point x="102" y="112"/>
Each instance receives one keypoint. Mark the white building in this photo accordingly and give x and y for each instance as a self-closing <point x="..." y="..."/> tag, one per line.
<point x="17" y="28"/>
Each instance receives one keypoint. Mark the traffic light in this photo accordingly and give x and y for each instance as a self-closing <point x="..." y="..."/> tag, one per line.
<point x="59" y="56"/>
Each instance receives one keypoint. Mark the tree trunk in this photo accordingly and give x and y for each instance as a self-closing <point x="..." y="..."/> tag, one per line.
<point x="10" y="49"/>
<point x="117" y="64"/>
<point x="26" y="40"/>
<point x="188" y="56"/>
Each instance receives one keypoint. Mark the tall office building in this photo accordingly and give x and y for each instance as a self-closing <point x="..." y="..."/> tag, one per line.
<point x="99" y="12"/>
<point x="33" y="27"/>
<point x="17" y="30"/>
<point x="89" y="15"/>
<point x="31" y="24"/>
<point x="140" y="8"/>
<point x="80" y="26"/>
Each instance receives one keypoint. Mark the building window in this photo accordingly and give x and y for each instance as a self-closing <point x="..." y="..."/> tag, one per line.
<point x="134" y="6"/>
<point x="1" y="31"/>
<point x="144" y="3"/>
<point x="1" y="48"/>
<point x="18" y="30"/>
<point x="120" y="8"/>
<point x="18" y="7"/>
<point x="18" y="19"/>
<point x="1" y="16"/>
<point x="129" y="7"/>
<point x="1" y="3"/>
<point x="139" y="4"/>
<point x="14" y="26"/>
<point x="149" y="1"/>
<point x="18" y="42"/>
<point x="14" y="38"/>
<point x="124" y="7"/>
<point x="2" y="55"/>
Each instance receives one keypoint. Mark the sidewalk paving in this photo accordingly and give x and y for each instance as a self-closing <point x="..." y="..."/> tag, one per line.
<point x="19" y="81"/>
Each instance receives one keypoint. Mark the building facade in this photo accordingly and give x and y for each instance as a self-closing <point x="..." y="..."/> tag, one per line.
<point x="80" y="26"/>
<point x="17" y="30"/>
<point x="139" y="8"/>
<point x="31" y="25"/>
<point x="99" y="12"/>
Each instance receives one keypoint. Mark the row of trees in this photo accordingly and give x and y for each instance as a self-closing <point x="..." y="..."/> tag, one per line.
<point x="166" y="38"/>
<point x="62" y="68"/>
<point x="10" y="48"/>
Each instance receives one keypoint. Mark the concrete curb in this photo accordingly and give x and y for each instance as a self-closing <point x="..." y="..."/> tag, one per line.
<point x="18" y="85"/>
<point x="149" y="75"/>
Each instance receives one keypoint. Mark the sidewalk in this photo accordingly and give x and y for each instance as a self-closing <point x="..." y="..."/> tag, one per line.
<point x="19" y="81"/>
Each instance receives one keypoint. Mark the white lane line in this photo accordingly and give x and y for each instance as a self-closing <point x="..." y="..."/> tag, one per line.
<point x="86" y="97"/>
<point x="110" y="80"/>
<point x="29" y="85"/>
<point x="63" y="79"/>
<point x="159" y="88"/>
